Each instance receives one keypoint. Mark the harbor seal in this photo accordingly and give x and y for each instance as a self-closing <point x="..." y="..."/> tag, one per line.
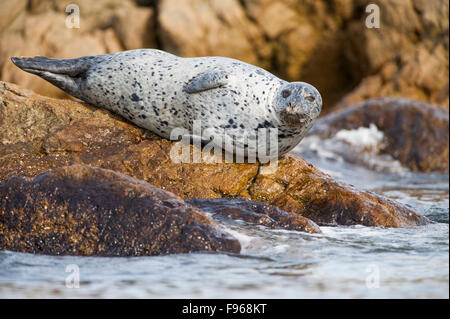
<point x="160" y="91"/>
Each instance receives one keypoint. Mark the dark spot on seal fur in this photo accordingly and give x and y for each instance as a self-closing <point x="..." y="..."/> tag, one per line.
<point x="134" y="97"/>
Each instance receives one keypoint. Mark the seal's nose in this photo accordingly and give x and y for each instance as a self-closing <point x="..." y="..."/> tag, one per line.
<point x="293" y="114"/>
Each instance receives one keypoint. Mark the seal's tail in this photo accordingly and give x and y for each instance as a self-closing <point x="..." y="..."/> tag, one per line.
<point x="64" y="73"/>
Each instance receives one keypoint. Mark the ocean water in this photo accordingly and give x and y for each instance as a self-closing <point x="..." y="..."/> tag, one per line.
<point x="343" y="262"/>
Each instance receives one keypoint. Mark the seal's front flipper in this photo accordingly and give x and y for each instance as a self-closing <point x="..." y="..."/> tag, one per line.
<point x="206" y="81"/>
<point x="64" y="73"/>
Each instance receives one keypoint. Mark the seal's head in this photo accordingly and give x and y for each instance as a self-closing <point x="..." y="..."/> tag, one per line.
<point x="298" y="103"/>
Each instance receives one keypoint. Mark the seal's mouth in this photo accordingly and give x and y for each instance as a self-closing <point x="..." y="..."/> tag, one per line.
<point x="294" y="119"/>
<point x="292" y="116"/>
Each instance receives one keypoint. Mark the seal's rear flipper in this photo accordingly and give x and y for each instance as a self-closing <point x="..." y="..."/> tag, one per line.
<point x="71" y="67"/>
<point x="64" y="73"/>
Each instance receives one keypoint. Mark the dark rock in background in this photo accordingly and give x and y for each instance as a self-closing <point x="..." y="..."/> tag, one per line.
<point x="415" y="133"/>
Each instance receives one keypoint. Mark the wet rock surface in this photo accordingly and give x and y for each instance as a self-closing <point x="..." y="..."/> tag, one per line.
<point x="39" y="133"/>
<point x="255" y="213"/>
<point x="414" y="133"/>
<point x="298" y="186"/>
<point x="87" y="211"/>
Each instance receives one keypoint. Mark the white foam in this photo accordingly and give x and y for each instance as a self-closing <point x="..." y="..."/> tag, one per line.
<point x="365" y="138"/>
<point x="323" y="148"/>
<point x="281" y="248"/>
<point x="358" y="146"/>
<point x="243" y="239"/>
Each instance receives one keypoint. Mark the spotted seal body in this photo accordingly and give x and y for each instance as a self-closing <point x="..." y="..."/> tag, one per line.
<point x="160" y="91"/>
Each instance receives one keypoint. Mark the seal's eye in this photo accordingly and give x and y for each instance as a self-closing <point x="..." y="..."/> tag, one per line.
<point x="310" y="98"/>
<point x="285" y="93"/>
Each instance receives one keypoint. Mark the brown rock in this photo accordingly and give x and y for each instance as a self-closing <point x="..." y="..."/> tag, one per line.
<point x="11" y="9"/>
<point x="255" y="213"/>
<point x="415" y="133"/>
<point x="202" y="28"/>
<point x="39" y="134"/>
<point x="138" y="34"/>
<point x="82" y="210"/>
<point x="420" y="72"/>
<point x="414" y="37"/>
<point x="322" y="42"/>
<point x="40" y="29"/>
